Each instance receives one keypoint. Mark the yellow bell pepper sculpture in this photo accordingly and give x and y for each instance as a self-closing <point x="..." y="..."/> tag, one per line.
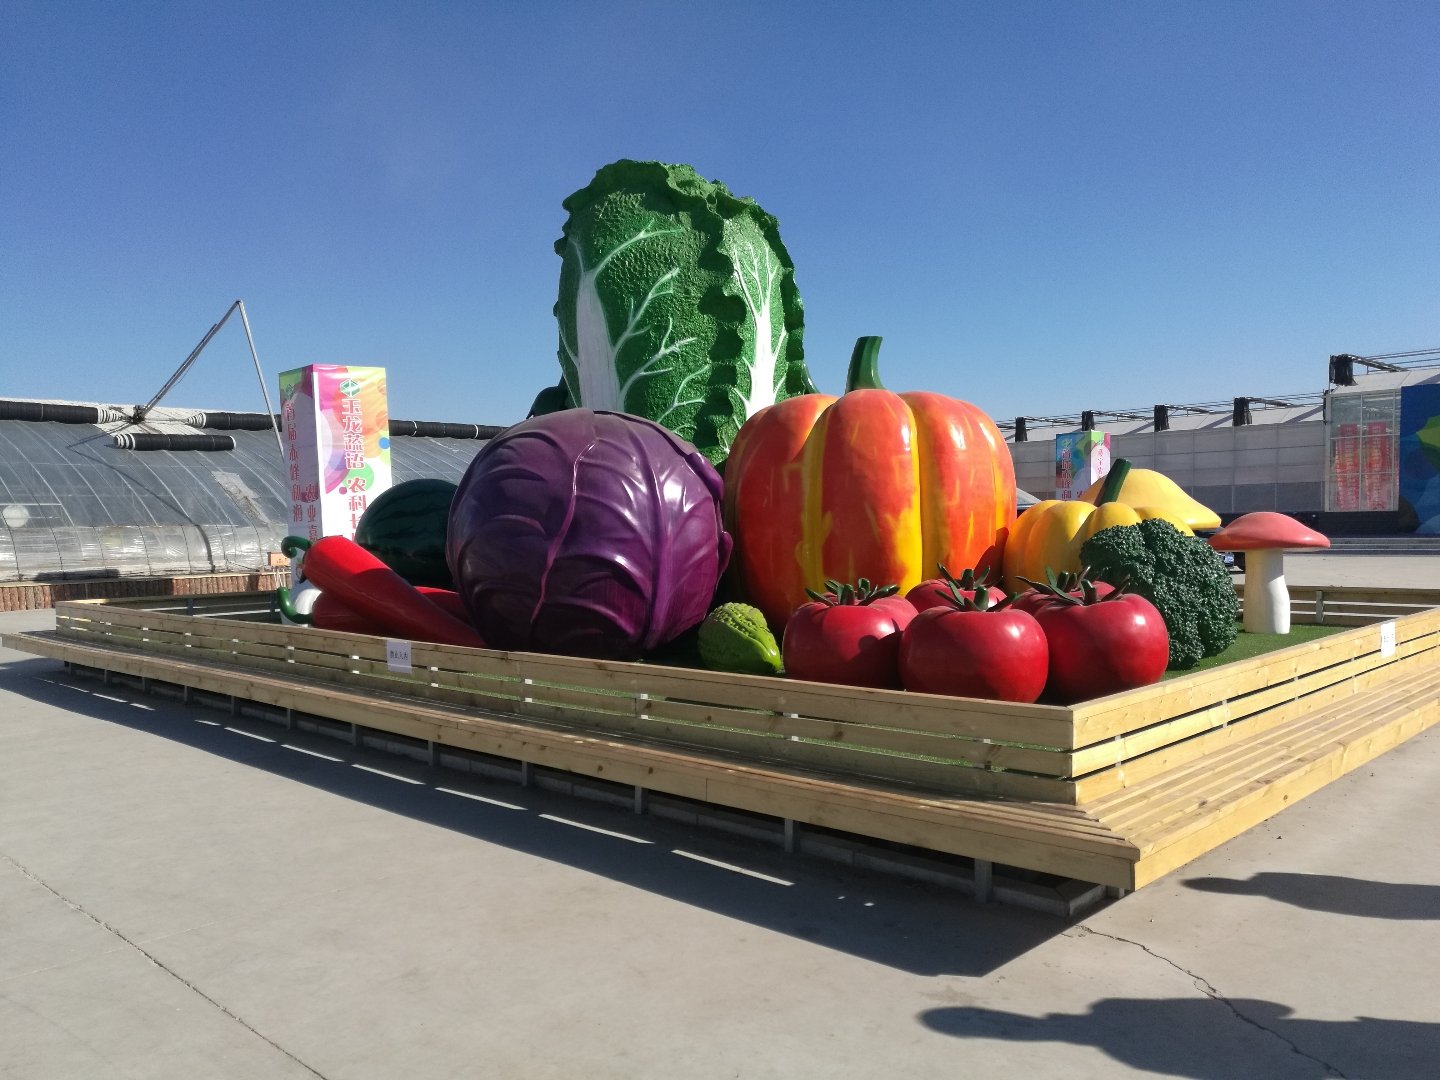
<point x="1049" y="535"/>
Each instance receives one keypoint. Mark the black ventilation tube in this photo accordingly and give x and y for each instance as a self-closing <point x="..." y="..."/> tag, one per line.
<point x="146" y="441"/>
<point x="40" y="410"/>
<point x="428" y="429"/>
<point x="227" y="421"/>
<point x="236" y="421"/>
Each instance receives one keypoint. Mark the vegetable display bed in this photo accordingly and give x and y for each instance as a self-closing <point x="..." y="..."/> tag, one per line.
<point x="1116" y="791"/>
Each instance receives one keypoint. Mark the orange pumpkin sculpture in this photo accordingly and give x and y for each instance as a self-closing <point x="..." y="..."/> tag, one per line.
<point x="871" y="484"/>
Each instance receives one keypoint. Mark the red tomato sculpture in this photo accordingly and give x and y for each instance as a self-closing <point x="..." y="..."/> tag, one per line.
<point x="872" y="484"/>
<point x="969" y="649"/>
<point x="1101" y="646"/>
<point x="847" y="635"/>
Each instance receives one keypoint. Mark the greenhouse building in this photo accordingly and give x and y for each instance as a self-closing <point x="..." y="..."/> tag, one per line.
<point x="94" y="492"/>
<point x="86" y="493"/>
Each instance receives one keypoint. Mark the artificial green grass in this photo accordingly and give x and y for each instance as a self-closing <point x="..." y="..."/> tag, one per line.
<point x="1250" y="645"/>
<point x="684" y="653"/>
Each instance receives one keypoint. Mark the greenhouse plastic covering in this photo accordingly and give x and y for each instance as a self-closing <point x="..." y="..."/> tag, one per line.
<point x="73" y="504"/>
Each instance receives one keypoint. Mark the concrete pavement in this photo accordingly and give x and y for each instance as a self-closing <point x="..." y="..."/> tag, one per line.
<point x="187" y="895"/>
<point x="1376" y="571"/>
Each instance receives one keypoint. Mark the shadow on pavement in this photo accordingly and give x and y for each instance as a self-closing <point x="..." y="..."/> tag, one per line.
<point x="1209" y="1039"/>
<point x="1327" y="892"/>
<point x="909" y="926"/>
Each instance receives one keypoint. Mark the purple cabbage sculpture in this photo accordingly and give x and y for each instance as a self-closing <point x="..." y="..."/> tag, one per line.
<point x="587" y="533"/>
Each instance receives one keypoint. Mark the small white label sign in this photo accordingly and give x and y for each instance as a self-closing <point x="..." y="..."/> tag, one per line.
<point x="397" y="656"/>
<point x="1387" y="639"/>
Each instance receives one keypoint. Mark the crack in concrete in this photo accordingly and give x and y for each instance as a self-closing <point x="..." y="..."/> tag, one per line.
<point x="73" y="906"/>
<point x="1205" y="987"/>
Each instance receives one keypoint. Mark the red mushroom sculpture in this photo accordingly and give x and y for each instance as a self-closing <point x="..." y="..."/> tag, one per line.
<point x="1265" y="537"/>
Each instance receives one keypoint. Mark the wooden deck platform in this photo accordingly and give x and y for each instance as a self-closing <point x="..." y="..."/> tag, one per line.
<point x="1117" y="791"/>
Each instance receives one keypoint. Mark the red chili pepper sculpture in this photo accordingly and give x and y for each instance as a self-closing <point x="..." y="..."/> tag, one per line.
<point x="369" y="588"/>
<point x="330" y="613"/>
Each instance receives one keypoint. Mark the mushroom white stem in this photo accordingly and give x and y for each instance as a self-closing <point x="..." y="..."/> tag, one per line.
<point x="1267" y="599"/>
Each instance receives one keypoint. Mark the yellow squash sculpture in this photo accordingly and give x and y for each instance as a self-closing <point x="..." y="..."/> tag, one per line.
<point x="1146" y="489"/>
<point x="1049" y="535"/>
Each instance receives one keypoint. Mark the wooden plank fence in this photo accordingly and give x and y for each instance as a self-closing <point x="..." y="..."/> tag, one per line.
<point x="1115" y="790"/>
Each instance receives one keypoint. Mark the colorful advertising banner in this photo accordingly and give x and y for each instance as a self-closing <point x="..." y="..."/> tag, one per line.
<point x="1419" y="451"/>
<point x="1081" y="458"/>
<point x="1345" y="467"/>
<point x="1379" y="467"/>
<point x="337" y="445"/>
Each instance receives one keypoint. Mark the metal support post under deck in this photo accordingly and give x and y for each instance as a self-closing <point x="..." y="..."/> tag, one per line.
<point x="984" y="881"/>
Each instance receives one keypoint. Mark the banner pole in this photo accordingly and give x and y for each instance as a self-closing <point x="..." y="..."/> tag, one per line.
<point x="260" y="375"/>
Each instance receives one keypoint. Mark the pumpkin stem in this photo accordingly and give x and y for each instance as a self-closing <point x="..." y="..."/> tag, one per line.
<point x="865" y="366"/>
<point x="1114" y="481"/>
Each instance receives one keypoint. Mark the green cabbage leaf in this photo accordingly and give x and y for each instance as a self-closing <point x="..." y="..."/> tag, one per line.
<point x="677" y="303"/>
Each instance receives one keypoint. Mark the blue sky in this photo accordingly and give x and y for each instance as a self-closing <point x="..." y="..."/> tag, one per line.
<point x="1042" y="207"/>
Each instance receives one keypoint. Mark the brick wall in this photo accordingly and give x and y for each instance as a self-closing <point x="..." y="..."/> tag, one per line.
<point x="31" y="595"/>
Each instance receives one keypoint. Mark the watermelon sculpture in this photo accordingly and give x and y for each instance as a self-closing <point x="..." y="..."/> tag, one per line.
<point x="405" y="529"/>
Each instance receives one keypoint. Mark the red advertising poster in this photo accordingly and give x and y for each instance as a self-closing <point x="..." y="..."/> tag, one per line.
<point x="1379" y="466"/>
<point x="1345" y="467"/>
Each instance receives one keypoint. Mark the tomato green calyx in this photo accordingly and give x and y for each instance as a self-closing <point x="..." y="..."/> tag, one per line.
<point x="1114" y="481"/>
<point x="970" y="591"/>
<point x="865" y="366"/>
<point x="968" y="579"/>
<point x="1063" y="588"/>
<point x="981" y="600"/>
<point x="838" y="594"/>
<point x="292" y="544"/>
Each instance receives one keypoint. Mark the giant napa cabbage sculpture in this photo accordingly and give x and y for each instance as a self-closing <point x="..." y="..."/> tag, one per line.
<point x="677" y="303"/>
